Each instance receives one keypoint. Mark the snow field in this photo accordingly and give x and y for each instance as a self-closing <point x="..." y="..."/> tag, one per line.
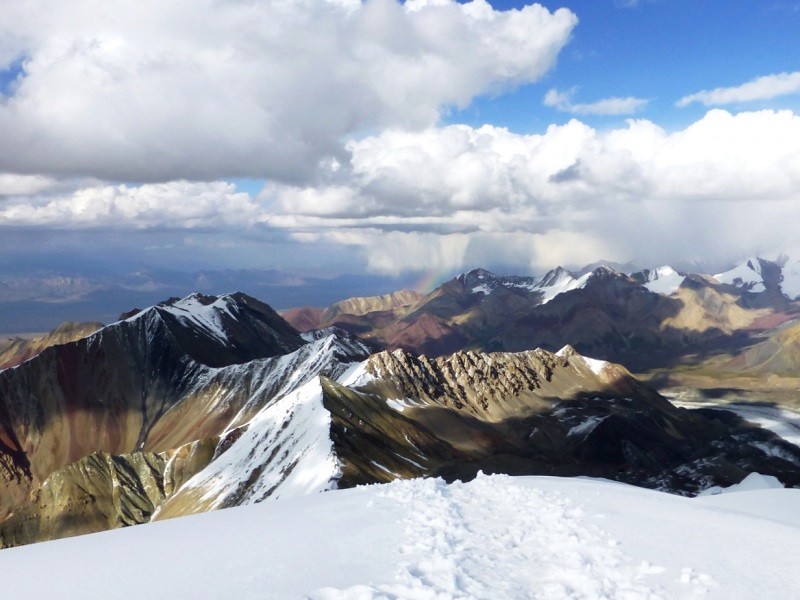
<point x="495" y="537"/>
<point x="483" y="540"/>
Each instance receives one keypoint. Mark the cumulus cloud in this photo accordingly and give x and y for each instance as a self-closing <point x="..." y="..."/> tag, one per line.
<point x="174" y="205"/>
<point x="760" y="88"/>
<point x="208" y="89"/>
<point x="607" y="106"/>
<point x="723" y="186"/>
<point x="451" y="197"/>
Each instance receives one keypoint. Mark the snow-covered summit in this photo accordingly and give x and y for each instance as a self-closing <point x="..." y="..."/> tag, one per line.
<point x="790" y="280"/>
<point x="660" y="280"/>
<point x="207" y="313"/>
<point x="558" y="281"/>
<point x="550" y="285"/>
<point x="755" y="274"/>
<point x="746" y="276"/>
<point x="218" y="330"/>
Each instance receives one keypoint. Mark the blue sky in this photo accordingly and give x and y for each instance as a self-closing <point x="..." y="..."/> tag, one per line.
<point x="405" y="141"/>
<point x="660" y="50"/>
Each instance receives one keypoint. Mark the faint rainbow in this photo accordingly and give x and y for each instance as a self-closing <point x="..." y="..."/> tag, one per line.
<point x="430" y="280"/>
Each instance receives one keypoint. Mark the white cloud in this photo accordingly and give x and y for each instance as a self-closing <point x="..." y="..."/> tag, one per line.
<point x="607" y="106"/>
<point x="209" y="89"/>
<point x="174" y="205"/>
<point x="724" y="186"/>
<point x="17" y="185"/>
<point x="761" y="88"/>
<point x="452" y="197"/>
<point x="394" y="252"/>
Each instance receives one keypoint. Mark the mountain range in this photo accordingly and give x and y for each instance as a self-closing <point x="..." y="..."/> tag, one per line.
<point x="208" y="402"/>
<point x="651" y="319"/>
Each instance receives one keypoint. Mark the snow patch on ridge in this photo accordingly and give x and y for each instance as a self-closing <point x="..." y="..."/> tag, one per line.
<point x="587" y="427"/>
<point x="494" y="537"/>
<point x="356" y="375"/>
<point x="400" y="404"/>
<point x="595" y="365"/>
<point x="295" y="432"/>
<point x="285" y="448"/>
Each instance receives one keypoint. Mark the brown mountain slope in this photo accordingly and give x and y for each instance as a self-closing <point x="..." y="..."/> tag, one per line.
<point x="604" y="314"/>
<point x="709" y="307"/>
<point x="103" y="491"/>
<point x="778" y="354"/>
<point x="17" y="350"/>
<point x="370" y="304"/>
<point x="305" y="318"/>
<point x="134" y="385"/>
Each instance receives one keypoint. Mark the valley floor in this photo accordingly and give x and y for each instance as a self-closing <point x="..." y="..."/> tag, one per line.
<point x="494" y="537"/>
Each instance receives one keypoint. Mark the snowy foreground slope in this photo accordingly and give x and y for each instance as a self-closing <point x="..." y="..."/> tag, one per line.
<point x="495" y="537"/>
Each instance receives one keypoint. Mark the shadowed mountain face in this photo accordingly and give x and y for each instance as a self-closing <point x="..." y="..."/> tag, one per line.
<point x="644" y="320"/>
<point x="211" y="402"/>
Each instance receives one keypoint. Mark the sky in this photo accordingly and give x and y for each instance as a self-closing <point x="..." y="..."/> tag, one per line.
<point x="409" y="140"/>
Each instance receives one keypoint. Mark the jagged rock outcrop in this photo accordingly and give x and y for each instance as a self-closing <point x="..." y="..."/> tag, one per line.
<point x="492" y="386"/>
